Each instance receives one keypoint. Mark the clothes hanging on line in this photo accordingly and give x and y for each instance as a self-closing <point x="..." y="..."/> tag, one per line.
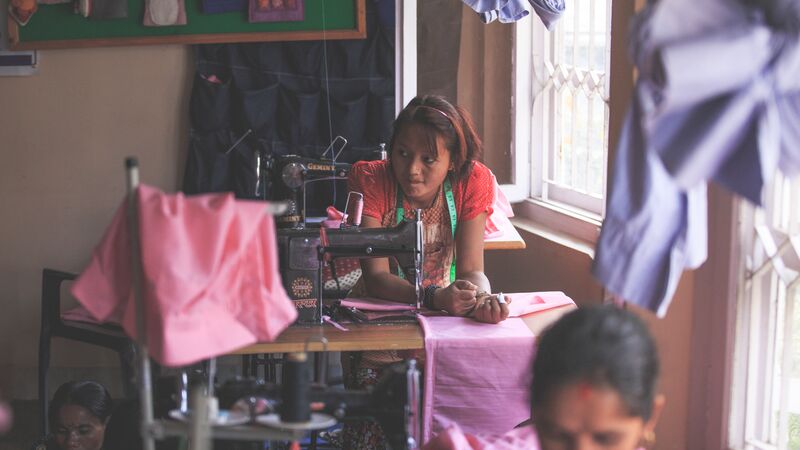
<point x="717" y="98"/>
<point x="509" y="11"/>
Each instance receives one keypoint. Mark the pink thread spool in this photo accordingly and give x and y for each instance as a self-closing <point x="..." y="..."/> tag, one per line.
<point x="358" y="208"/>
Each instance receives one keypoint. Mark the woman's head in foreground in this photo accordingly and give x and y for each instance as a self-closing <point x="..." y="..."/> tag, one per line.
<point x="79" y="413"/>
<point x="594" y="382"/>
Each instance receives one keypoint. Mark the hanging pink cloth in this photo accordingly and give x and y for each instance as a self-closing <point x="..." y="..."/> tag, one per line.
<point x="210" y="276"/>
<point x="454" y="438"/>
<point x="478" y="375"/>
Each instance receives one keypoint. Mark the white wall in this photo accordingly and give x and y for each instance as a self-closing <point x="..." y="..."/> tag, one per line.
<point x="64" y="134"/>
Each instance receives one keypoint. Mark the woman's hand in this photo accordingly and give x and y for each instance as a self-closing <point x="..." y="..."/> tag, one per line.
<point x="458" y="299"/>
<point x="488" y="309"/>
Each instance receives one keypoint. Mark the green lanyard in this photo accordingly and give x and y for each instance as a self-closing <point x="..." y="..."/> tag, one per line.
<point x="451" y="208"/>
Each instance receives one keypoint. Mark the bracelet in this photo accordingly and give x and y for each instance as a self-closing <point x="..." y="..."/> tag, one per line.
<point x="427" y="298"/>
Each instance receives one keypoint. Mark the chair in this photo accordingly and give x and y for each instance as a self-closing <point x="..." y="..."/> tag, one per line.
<point x="53" y="325"/>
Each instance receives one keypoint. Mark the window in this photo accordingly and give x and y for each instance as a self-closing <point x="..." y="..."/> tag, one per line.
<point x="765" y="395"/>
<point x="569" y="116"/>
<point x="540" y="98"/>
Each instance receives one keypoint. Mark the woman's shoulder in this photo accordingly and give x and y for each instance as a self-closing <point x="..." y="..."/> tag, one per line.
<point x="479" y="170"/>
<point x="479" y="177"/>
<point x="374" y="180"/>
<point x="370" y="168"/>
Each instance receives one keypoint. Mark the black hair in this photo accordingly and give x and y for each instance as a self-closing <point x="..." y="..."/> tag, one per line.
<point x="441" y="118"/>
<point x="602" y="346"/>
<point x="88" y="394"/>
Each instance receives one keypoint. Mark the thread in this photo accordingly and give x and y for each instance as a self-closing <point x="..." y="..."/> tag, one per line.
<point x="358" y="208"/>
<point x="296" y="406"/>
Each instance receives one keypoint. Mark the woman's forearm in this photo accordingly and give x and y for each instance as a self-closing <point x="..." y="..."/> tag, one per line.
<point x="390" y="287"/>
<point x="477" y="278"/>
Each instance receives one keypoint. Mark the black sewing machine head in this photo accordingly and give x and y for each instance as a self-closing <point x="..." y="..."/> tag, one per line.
<point x="299" y="253"/>
<point x="292" y="180"/>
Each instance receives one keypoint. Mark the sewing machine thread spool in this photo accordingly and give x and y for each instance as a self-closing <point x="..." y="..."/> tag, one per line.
<point x="358" y="209"/>
<point x="353" y="211"/>
<point x="296" y="406"/>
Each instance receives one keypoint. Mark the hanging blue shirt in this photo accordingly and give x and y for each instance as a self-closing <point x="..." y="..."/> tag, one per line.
<point x="509" y="11"/>
<point x="717" y="98"/>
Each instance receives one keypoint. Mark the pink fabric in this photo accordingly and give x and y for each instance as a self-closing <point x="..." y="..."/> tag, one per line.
<point x="334" y="218"/>
<point x="454" y="438"/>
<point x="80" y="314"/>
<point x="375" y="304"/>
<point x="497" y="226"/>
<point x="6" y="418"/>
<point x="211" y="281"/>
<point x="501" y="211"/>
<point x="530" y="302"/>
<point x="476" y="375"/>
<point x="522" y="303"/>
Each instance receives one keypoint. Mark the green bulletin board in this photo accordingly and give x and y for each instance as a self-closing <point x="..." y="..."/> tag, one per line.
<point x="56" y="26"/>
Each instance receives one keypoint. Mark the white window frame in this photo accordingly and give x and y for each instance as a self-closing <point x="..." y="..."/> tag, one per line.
<point x="526" y="174"/>
<point x="561" y="210"/>
<point x="760" y="337"/>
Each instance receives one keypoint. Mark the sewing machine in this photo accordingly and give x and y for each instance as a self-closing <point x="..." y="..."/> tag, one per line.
<point x="292" y="175"/>
<point x="394" y="402"/>
<point x="302" y="253"/>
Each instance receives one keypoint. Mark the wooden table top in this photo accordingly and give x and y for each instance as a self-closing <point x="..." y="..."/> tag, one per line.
<point x="372" y="336"/>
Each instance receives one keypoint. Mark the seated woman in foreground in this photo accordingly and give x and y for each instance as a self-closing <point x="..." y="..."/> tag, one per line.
<point x="594" y="381"/>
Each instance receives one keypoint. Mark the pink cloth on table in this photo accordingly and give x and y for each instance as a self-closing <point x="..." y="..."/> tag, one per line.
<point x="523" y="303"/>
<point x="454" y="438"/>
<point x="210" y="276"/>
<point x="477" y="375"/>
<point x="375" y="304"/>
<point x="501" y="210"/>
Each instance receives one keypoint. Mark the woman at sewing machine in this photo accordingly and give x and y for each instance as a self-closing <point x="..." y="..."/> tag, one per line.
<point x="432" y="166"/>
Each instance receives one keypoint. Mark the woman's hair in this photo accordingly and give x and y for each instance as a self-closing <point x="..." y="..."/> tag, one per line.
<point x="88" y="394"/>
<point x="602" y="346"/>
<point x="441" y="118"/>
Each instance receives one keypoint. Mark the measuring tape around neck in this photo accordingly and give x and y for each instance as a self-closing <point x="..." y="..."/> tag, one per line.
<point x="451" y="209"/>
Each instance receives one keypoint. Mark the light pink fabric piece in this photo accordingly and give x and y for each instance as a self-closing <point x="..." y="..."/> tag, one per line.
<point x="530" y="302"/>
<point x="454" y="438"/>
<point x="375" y="304"/>
<point x="80" y="314"/>
<point x="211" y="281"/>
<point x="501" y="211"/>
<point x="477" y="375"/>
